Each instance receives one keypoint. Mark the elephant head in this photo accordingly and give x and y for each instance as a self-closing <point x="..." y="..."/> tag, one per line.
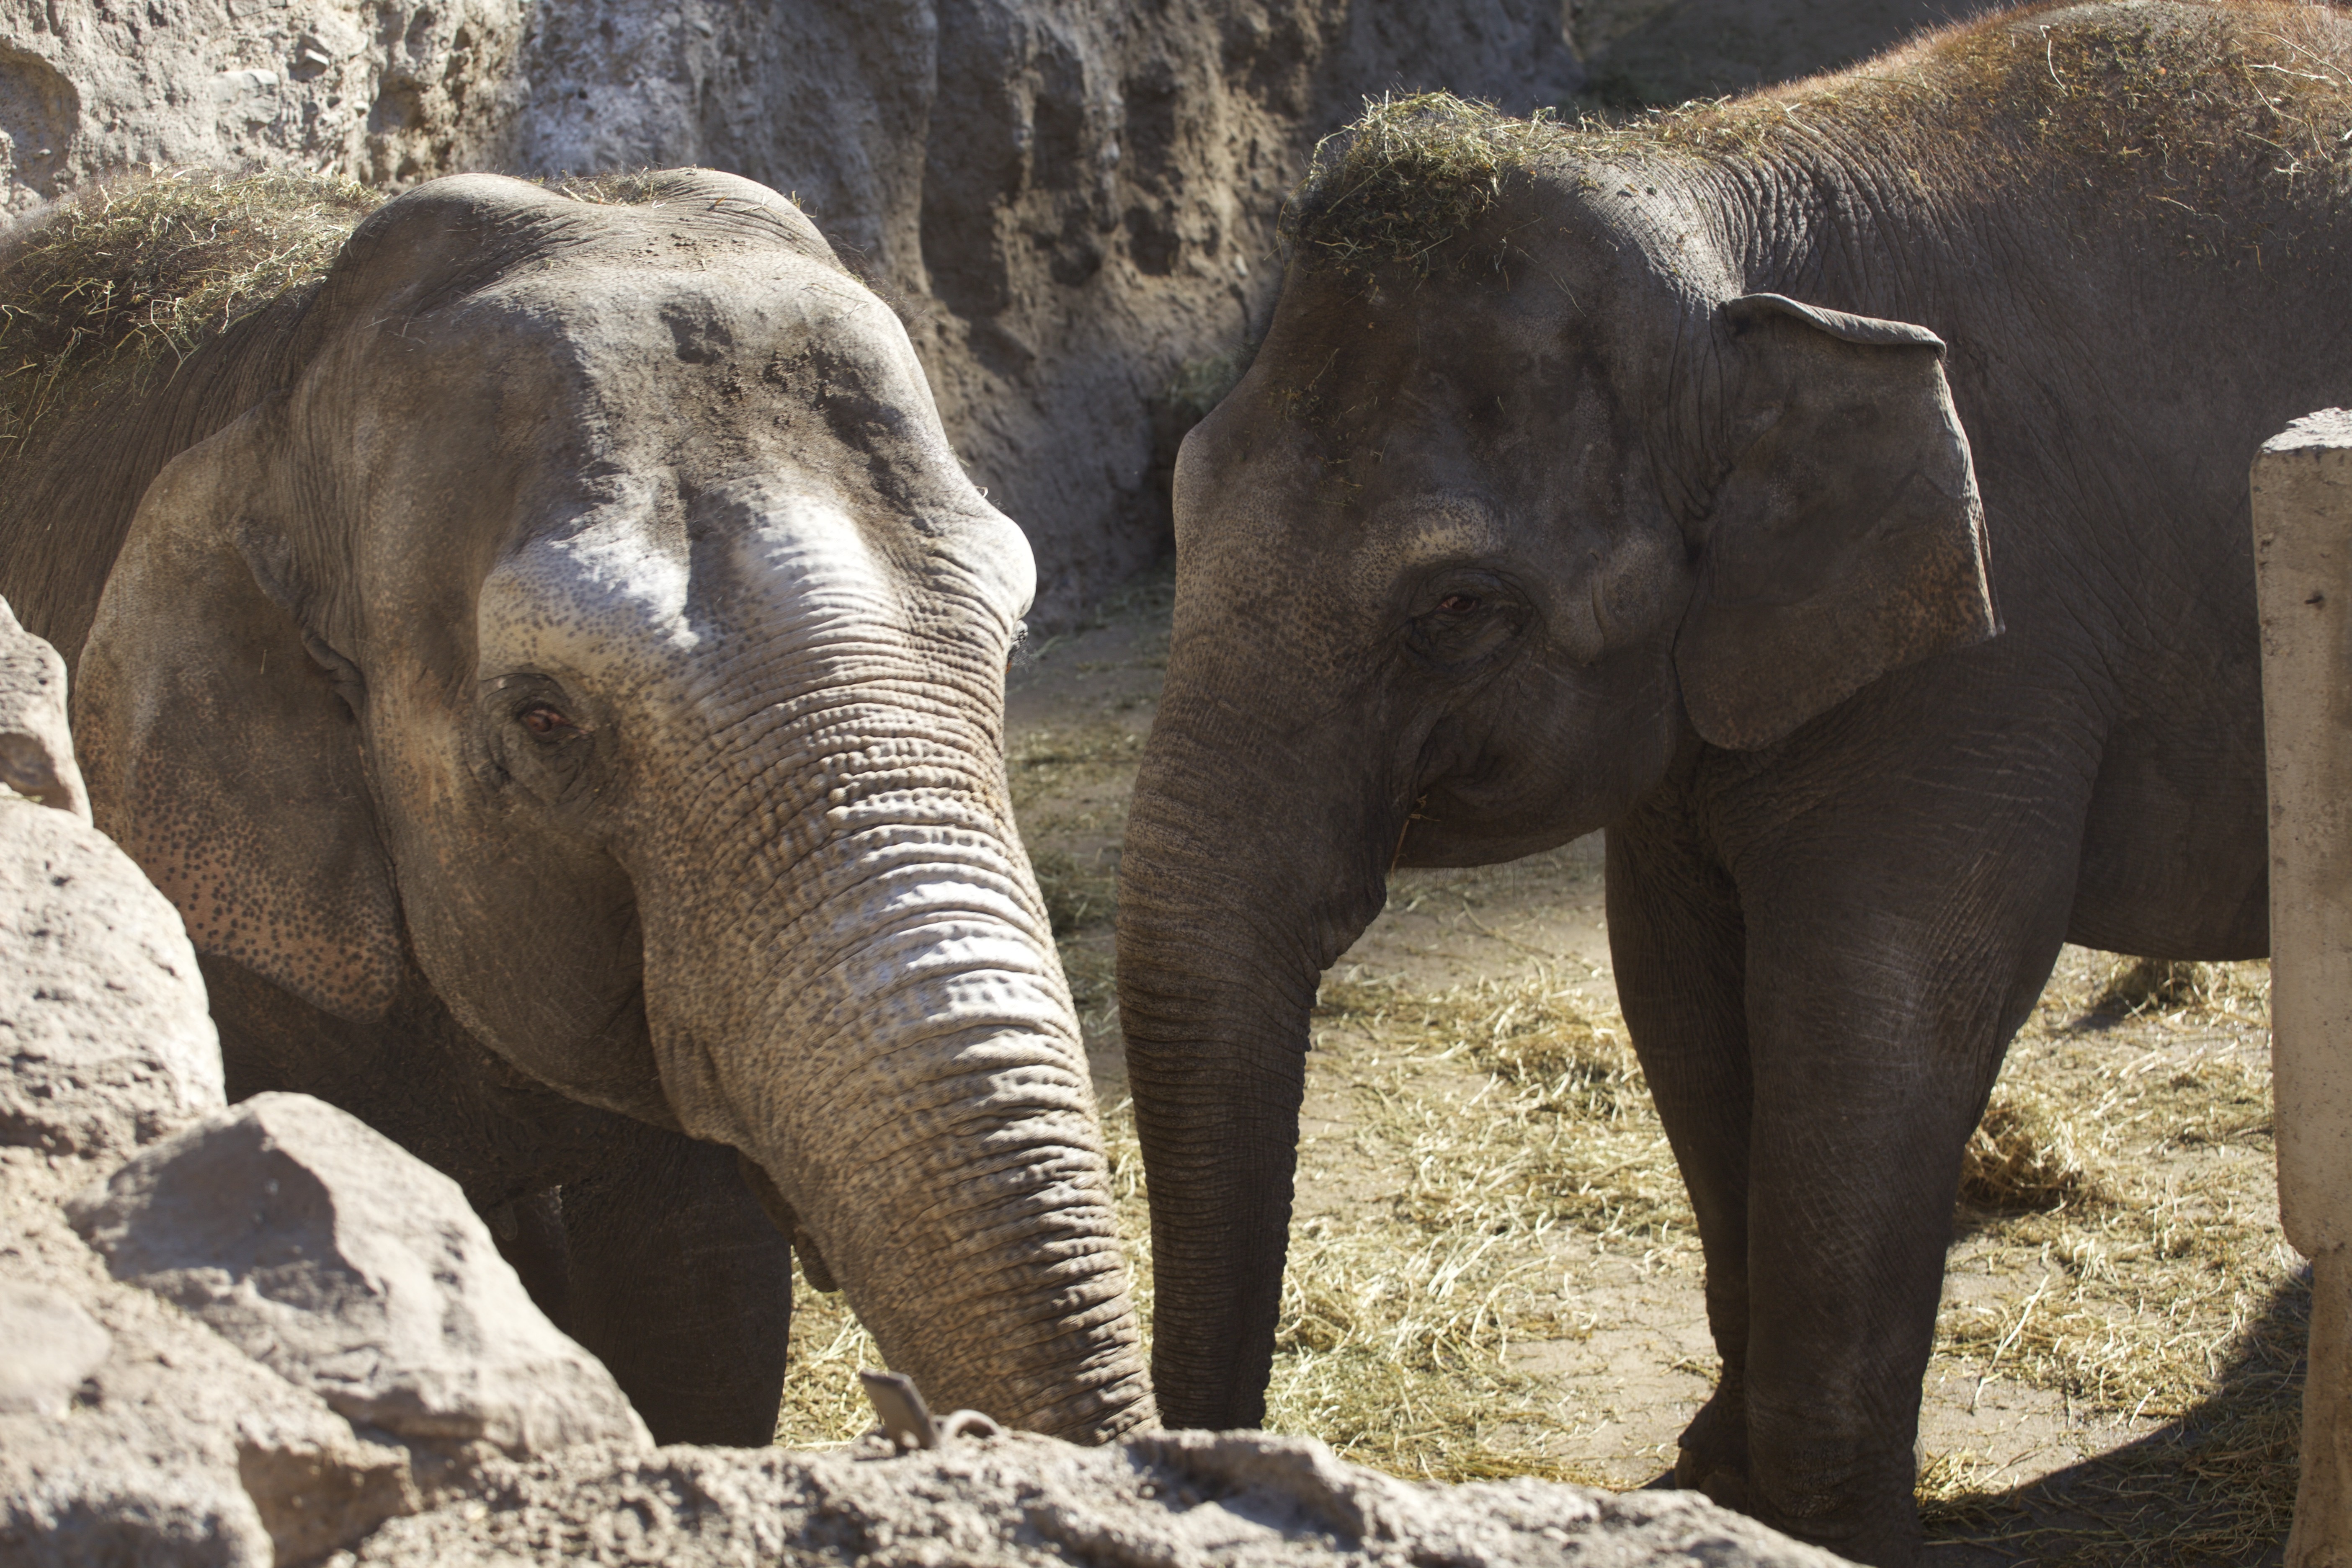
<point x="1519" y="530"/>
<point x="595" y="621"/>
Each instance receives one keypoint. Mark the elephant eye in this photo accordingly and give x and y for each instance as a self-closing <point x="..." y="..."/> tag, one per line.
<point x="540" y="719"/>
<point x="1458" y="604"/>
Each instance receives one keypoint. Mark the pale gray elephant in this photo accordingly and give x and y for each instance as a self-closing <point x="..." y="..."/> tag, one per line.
<point x="555" y="664"/>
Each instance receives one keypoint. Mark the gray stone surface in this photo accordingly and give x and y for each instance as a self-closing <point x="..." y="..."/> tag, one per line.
<point x="350" y="1268"/>
<point x="103" y="1025"/>
<point x="1241" y="1499"/>
<point x="174" y="1447"/>
<point x="48" y="1346"/>
<point x="396" y="92"/>
<point x="37" y="758"/>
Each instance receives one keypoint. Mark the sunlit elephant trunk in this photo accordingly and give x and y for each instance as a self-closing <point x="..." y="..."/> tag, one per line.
<point x="869" y="1005"/>
<point x="1232" y="901"/>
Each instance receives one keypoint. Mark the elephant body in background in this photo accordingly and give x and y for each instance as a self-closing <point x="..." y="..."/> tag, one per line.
<point x="556" y="669"/>
<point x="1839" y="495"/>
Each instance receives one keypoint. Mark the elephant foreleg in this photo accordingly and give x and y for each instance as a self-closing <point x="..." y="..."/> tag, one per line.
<point x="1892" y="948"/>
<point x="1677" y="941"/>
<point x="682" y="1287"/>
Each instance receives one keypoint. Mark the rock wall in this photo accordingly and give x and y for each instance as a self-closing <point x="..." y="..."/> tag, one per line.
<point x="1070" y="199"/>
<point x="390" y="93"/>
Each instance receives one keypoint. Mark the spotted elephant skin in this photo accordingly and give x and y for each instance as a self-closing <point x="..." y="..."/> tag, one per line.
<point x="555" y="665"/>
<point x="1839" y="495"/>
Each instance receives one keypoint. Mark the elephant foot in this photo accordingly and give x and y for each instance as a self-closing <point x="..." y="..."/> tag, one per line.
<point x="1884" y="1537"/>
<point x="1879" y="1526"/>
<point x="1714" y="1453"/>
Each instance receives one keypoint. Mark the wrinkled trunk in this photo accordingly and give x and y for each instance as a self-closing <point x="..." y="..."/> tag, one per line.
<point x="1237" y="889"/>
<point x="869" y="1005"/>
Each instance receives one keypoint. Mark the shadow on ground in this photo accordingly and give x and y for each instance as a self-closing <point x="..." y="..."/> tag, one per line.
<point x="2215" y="1485"/>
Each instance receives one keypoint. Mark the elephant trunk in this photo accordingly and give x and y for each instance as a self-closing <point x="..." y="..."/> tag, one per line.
<point x="1230" y="908"/>
<point x="869" y="1007"/>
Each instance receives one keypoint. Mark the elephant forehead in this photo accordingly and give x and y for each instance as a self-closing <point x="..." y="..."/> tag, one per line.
<point x="625" y="575"/>
<point x="618" y="318"/>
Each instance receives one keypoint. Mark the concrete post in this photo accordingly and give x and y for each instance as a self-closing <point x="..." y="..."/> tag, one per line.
<point x="2303" y="576"/>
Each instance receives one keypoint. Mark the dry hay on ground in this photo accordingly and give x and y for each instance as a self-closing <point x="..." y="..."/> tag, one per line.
<point x="2120" y="1194"/>
<point x="2155" y="1286"/>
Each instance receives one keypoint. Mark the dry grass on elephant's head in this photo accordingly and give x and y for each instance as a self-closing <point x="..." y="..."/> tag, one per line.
<point x="1405" y="179"/>
<point x="104" y="292"/>
<point x="105" y="289"/>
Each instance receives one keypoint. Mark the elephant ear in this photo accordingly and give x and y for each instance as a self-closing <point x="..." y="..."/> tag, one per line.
<point x="1847" y="540"/>
<point x="220" y="752"/>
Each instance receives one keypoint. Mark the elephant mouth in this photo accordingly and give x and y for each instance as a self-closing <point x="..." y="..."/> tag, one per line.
<point x="787" y="1219"/>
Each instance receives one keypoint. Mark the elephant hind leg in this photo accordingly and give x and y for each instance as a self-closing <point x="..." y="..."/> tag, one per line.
<point x="682" y="1287"/>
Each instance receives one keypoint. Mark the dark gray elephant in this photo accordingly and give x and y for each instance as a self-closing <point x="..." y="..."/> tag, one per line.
<point x="557" y="670"/>
<point x="1840" y="496"/>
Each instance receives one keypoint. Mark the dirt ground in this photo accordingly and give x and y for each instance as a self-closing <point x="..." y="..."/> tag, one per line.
<point x="1493" y="1270"/>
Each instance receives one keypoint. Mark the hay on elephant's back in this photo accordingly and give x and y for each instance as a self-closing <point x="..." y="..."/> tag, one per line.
<point x="106" y="293"/>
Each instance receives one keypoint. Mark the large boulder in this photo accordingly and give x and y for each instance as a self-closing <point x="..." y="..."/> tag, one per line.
<point x="36" y="756"/>
<point x="103" y="1022"/>
<point x="130" y="1433"/>
<point x="102" y="1018"/>
<point x="1239" y="1499"/>
<point x="350" y="1268"/>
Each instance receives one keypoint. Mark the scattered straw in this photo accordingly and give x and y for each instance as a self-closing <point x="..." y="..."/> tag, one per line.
<point x="2157" y="1290"/>
<point x="2028" y="1152"/>
<point x="2178" y="986"/>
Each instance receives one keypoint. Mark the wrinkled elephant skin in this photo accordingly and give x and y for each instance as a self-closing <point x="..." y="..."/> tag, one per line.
<point x="562" y="691"/>
<point x="1841" y="498"/>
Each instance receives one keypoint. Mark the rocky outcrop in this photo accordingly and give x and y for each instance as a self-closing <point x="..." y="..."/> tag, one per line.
<point x="103" y="1025"/>
<point x="382" y="93"/>
<point x="350" y="1268"/>
<point x="1238" y="1500"/>
<point x="285" y="1332"/>
<point x="158" y="1442"/>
